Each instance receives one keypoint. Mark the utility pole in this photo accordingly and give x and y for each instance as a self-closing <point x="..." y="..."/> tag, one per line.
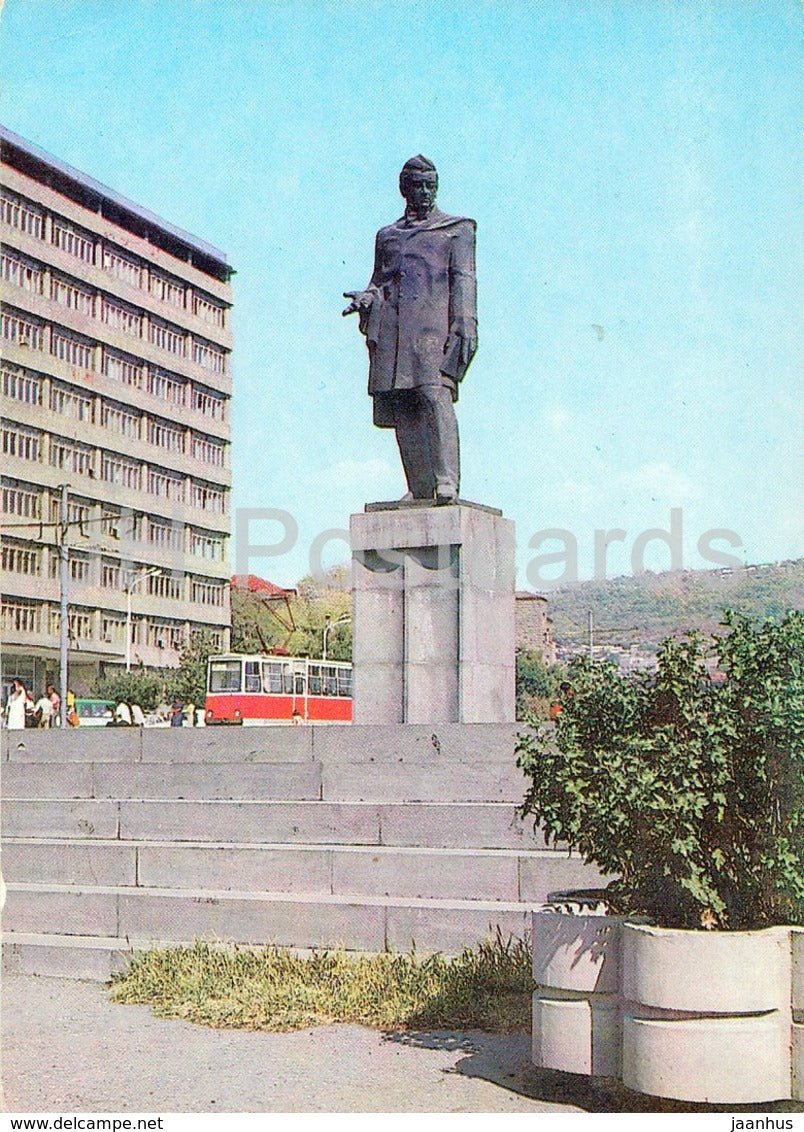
<point x="591" y="635"/>
<point x="64" y="583"/>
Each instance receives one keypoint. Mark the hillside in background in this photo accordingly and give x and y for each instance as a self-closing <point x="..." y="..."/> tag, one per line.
<point x="644" y="609"/>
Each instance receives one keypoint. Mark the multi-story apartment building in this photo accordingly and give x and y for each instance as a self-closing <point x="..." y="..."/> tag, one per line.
<point x="116" y="349"/>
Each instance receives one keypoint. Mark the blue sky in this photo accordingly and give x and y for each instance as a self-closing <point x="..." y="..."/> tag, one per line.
<point x="634" y="171"/>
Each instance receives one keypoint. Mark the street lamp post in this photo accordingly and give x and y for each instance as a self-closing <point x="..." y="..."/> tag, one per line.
<point x="64" y="584"/>
<point x="328" y="625"/>
<point x="129" y="590"/>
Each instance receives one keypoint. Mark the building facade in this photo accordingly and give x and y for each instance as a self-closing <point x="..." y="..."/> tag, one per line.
<point x="116" y="382"/>
<point x="533" y="630"/>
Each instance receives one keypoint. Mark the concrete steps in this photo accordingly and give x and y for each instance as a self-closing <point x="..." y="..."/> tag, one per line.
<point x="366" y="837"/>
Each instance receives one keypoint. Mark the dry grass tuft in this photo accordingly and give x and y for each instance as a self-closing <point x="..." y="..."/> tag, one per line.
<point x="485" y="988"/>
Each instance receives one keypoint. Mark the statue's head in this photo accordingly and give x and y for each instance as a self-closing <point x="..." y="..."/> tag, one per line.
<point x="418" y="184"/>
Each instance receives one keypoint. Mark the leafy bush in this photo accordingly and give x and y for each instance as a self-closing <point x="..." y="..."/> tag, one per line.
<point x="688" y="791"/>
<point x="145" y="687"/>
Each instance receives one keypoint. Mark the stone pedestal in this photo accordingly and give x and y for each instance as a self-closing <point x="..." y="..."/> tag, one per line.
<point x="433" y="616"/>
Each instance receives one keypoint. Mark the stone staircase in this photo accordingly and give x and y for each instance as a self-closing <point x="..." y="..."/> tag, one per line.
<point x="363" y="836"/>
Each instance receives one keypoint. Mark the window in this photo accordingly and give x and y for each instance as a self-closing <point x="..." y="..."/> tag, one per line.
<point x="209" y="357"/>
<point x="19" y="558"/>
<point x="277" y="677"/>
<point x="71" y="349"/>
<point x="224" y="675"/>
<point x="68" y="294"/>
<point x="208" y="593"/>
<point x="203" y="632"/>
<point x="210" y="404"/>
<point x="78" y="567"/>
<point x="208" y="310"/>
<point x="165" y="585"/>
<point x="206" y="546"/>
<point x="110" y="574"/>
<point x="22" y="272"/>
<point x="79" y="623"/>
<point x="20" y="213"/>
<point x="21" y="501"/>
<point x="165" y="634"/>
<point x="124" y="319"/>
<point x="208" y="498"/>
<point x="126" y="422"/>
<point x="71" y="456"/>
<point x="167" y="290"/>
<point x="165" y="485"/>
<point x="70" y="403"/>
<point x="74" y="241"/>
<point x="123" y="267"/>
<point x="20" y="385"/>
<point x="166" y="337"/>
<point x="120" y="367"/>
<point x="165" y="436"/>
<point x="77" y="512"/>
<point x="208" y="451"/>
<point x="24" y="443"/>
<point x="21" y="616"/>
<point x="251" y="682"/>
<point x="344" y="681"/>
<point x="120" y="470"/>
<point x="113" y="628"/>
<point x="170" y="536"/>
<point x="24" y="331"/>
<point x="169" y="388"/>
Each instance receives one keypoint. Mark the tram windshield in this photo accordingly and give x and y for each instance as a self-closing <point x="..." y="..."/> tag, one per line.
<point x="224" y="675"/>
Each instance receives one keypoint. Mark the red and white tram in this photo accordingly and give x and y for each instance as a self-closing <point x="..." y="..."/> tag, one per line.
<point x="259" y="690"/>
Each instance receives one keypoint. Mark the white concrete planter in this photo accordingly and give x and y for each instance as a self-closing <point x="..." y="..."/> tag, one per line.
<point x="714" y="1017"/>
<point x="576" y="1013"/>
<point x="797" y="1003"/>
<point x="707" y="1015"/>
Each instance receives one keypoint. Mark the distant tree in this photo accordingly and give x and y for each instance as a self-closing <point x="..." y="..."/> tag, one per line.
<point x="189" y="680"/>
<point x="536" y="684"/>
<point x="145" y="686"/>
<point x="258" y="628"/>
<point x="255" y="628"/>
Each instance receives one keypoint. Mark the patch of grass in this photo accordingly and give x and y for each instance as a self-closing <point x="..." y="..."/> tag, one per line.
<point x="485" y="988"/>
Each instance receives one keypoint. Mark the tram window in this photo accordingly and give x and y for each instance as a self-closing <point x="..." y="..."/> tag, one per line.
<point x="252" y="676"/>
<point x="299" y="688"/>
<point x="330" y="681"/>
<point x="315" y="680"/>
<point x="344" y="682"/>
<point x="287" y="680"/>
<point x="272" y="678"/>
<point x="224" y="676"/>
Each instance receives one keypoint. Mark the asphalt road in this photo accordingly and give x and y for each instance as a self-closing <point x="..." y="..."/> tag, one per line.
<point x="67" y="1048"/>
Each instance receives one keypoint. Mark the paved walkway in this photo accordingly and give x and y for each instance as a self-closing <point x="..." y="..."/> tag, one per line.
<point x="67" y="1048"/>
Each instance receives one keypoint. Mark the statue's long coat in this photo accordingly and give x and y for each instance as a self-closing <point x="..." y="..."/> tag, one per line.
<point x="424" y="294"/>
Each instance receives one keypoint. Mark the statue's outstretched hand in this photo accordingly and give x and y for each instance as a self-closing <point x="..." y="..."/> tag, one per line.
<point x="361" y="301"/>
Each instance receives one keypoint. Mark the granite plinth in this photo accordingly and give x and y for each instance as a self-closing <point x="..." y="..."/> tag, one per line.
<point x="433" y="613"/>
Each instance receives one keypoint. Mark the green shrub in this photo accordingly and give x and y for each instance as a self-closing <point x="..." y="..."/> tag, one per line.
<point x="145" y="687"/>
<point x="689" y="792"/>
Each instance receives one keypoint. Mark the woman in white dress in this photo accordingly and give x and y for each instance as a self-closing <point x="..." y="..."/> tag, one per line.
<point x="15" y="707"/>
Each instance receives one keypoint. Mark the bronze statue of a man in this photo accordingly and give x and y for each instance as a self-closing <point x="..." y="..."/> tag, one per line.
<point x="419" y="316"/>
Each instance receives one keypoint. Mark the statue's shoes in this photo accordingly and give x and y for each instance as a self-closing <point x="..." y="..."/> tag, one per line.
<point x="446" y="493"/>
